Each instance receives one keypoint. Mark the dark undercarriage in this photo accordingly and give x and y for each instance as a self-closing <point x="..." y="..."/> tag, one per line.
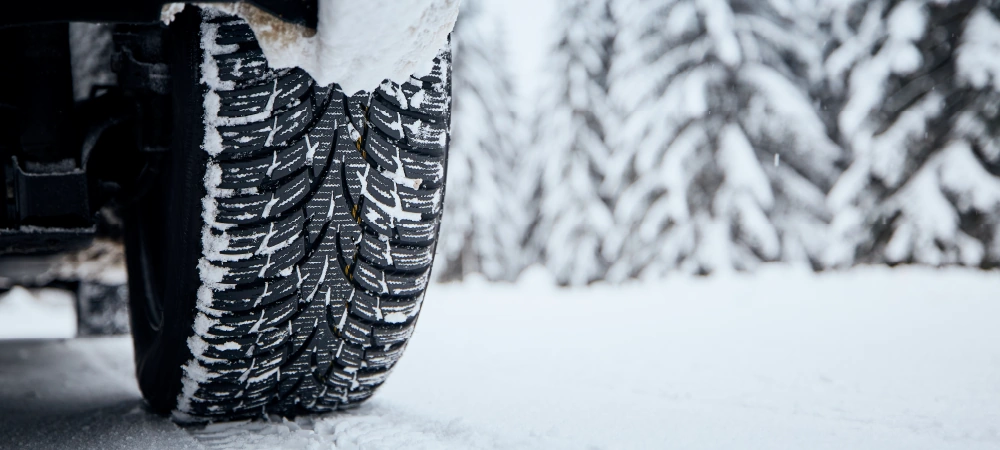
<point x="65" y="162"/>
<point x="138" y="11"/>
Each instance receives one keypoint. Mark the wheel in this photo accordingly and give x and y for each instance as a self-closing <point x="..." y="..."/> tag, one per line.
<point x="279" y="261"/>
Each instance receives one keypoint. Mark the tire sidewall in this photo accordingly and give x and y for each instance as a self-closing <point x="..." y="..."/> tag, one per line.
<point x="166" y="225"/>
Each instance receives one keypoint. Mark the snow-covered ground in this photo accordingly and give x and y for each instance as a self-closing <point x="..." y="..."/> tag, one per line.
<point x="869" y="359"/>
<point x="40" y="313"/>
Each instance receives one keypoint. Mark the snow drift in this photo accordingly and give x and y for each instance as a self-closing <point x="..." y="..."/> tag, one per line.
<point x="357" y="44"/>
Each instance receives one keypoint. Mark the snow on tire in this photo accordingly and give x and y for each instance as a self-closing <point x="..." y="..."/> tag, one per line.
<point x="319" y="219"/>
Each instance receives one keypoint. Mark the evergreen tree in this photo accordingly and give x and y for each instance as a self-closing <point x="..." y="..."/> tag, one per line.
<point x="972" y="180"/>
<point x="723" y="161"/>
<point x="481" y="230"/>
<point x="573" y="214"/>
<point x="919" y="117"/>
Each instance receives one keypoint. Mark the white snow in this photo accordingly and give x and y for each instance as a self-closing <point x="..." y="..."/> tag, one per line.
<point x="356" y="44"/>
<point x="873" y="358"/>
<point x="169" y="11"/>
<point x="528" y="39"/>
<point x="976" y="61"/>
<point x="38" y="313"/>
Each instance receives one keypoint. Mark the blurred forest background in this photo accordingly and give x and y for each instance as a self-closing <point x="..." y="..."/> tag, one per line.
<point x="701" y="136"/>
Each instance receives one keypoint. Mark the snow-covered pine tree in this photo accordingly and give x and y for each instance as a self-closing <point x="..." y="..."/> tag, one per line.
<point x="920" y="118"/>
<point x="482" y="226"/>
<point x="975" y="189"/>
<point x="723" y="161"/>
<point x="571" y="151"/>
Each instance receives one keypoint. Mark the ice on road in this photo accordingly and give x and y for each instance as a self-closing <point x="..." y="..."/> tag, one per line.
<point x="869" y="359"/>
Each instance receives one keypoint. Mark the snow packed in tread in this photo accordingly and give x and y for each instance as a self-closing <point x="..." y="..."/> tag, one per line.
<point x="319" y="233"/>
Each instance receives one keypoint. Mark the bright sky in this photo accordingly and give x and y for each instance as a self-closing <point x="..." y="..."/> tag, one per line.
<point x="527" y="28"/>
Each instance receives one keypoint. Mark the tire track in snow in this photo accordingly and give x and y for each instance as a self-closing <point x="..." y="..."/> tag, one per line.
<point x="367" y="427"/>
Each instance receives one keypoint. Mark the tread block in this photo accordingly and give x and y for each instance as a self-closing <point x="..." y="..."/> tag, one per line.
<point x="236" y="325"/>
<point x="288" y="195"/>
<point x="372" y="378"/>
<point x="426" y="99"/>
<point x="319" y="142"/>
<point x="355" y="109"/>
<point x="377" y="310"/>
<point x="385" y="119"/>
<point x="235" y="33"/>
<point x="243" y="174"/>
<point x="266" y="97"/>
<point x="337" y="309"/>
<point x="340" y="381"/>
<point x="244" y="139"/>
<point x="321" y="207"/>
<point x="429" y="170"/>
<point x="419" y="201"/>
<point x="242" y="371"/>
<point x="424" y="135"/>
<point x="239" y="300"/>
<point x="379" y="281"/>
<point x="304" y="326"/>
<point x="253" y="208"/>
<point x="380" y="189"/>
<point x="383" y="153"/>
<point x="282" y="260"/>
<point x="287" y="161"/>
<point x="244" y="102"/>
<point x="289" y="124"/>
<point x="349" y="356"/>
<point x="392" y="94"/>
<point x="243" y="65"/>
<point x="365" y="306"/>
<point x="352" y="170"/>
<point x="357" y="333"/>
<point x="379" y="252"/>
<point x="400" y="311"/>
<point x="392" y="335"/>
<point x="292" y="86"/>
<point x="322" y="95"/>
<point x="265" y="266"/>
<point x="264" y="238"/>
<point x="317" y="268"/>
<point x="229" y="348"/>
<point x="271" y="338"/>
<point x="387" y="190"/>
<point x="401" y="230"/>
<point x="380" y="357"/>
<point x="295" y="371"/>
<point x="377" y="218"/>
<point x="405" y="285"/>
<point x="417" y="233"/>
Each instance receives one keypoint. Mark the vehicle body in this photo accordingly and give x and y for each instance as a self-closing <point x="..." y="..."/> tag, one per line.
<point x="52" y="210"/>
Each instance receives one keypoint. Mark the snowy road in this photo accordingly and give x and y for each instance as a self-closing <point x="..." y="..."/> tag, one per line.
<point x="872" y="359"/>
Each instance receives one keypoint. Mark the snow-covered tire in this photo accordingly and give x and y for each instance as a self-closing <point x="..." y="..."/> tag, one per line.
<point x="279" y="263"/>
